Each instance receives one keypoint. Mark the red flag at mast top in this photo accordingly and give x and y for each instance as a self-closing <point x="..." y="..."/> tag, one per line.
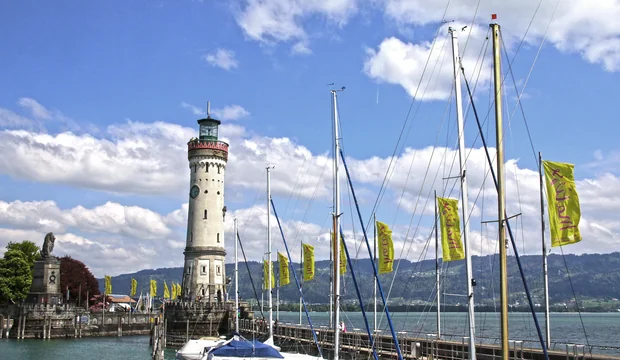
<point x="493" y="16"/>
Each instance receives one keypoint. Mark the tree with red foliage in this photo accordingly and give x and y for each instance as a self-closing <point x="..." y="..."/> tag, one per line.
<point x="74" y="273"/>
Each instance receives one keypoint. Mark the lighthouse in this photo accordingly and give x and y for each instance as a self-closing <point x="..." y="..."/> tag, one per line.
<point x="204" y="276"/>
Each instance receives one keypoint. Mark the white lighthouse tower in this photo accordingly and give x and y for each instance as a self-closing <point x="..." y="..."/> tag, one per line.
<point x="204" y="276"/>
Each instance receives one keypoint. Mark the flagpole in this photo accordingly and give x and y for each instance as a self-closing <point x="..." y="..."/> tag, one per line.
<point x="269" y="273"/>
<point x="301" y="265"/>
<point x="278" y="295"/>
<point x="544" y="254"/>
<point x="236" y="277"/>
<point x="331" y="281"/>
<point x="336" y="220"/>
<point x="374" y="292"/>
<point x="464" y="199"/>
<point x="438" y="289"/>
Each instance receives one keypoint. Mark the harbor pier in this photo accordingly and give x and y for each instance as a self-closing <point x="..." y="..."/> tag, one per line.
<point x="47" y="321"/>
<point x="356" y="345"/>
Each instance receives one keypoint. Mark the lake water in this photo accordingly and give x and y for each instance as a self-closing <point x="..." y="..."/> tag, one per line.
<point x="603" y="329"/>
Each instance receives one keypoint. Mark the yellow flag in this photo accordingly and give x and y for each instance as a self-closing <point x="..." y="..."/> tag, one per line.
<point x="153" y="288"/>
<point x="343" y="256"/>
<point x="284" y="274"/>
<point x="166" y="291"/>
<point x="173" y="290"/>
<point x="450" y="229"/>
<point x="134" y="286"/>
<point x="266" y="275"/>
<point x="563" y="203"/>
<point x="308" y="262"/>
<point x="386" y="248"/>
<point x="178" y="290"/>
<point x="108" y="284"/>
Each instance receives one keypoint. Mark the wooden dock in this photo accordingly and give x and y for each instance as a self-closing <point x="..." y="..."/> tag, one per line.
<point x="355" y="345"/>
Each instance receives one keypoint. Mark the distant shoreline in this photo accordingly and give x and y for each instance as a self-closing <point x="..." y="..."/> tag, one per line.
<point x="444" y="309"/>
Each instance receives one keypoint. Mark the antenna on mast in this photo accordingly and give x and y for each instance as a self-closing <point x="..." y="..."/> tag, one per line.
<point x="208" y="109"/>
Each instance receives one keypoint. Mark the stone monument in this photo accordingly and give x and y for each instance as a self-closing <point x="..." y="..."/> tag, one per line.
<point x="45" y="287"/>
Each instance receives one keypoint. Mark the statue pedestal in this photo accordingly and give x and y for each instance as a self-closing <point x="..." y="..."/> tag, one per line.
<point x="45" y="287"/>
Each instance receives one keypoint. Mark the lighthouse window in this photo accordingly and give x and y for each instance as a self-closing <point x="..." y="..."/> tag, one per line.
<point x="204" y="270"/>
<point x="191" y="237"/>
<point x="195" y="165"/>
<point x="203" y="292"/>
<point x="206" y="191"/>
<point x="218" y="169"/>
<point x="218" y="270"/>
<point x="218" y="237"/>
<point x="205" y="214"/>
<point x="218" y="192"/>
<point x="207" y="167"/>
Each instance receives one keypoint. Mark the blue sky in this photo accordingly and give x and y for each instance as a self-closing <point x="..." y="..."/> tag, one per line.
<point x="82" y="81"/>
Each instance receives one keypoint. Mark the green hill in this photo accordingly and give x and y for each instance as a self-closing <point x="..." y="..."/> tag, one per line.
<point x="595" y="279"/>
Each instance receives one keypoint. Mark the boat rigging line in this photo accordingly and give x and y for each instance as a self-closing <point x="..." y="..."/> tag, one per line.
<point x="245" y="261"/>
<point x="292" y="270"/>
<point x="374" y="267"/>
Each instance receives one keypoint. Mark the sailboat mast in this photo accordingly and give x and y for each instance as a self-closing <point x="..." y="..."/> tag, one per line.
<point x="464" y="198"/>
<point x="236" y="279"/>
<point x="269" y="295"/>
<point x="331" y="281"/>
<point x="278" y="299"/>
<point x="336" y="245"/>
<point x="301" y="266"/>
<point x="374" y="292"/>
<point x="501" y="196"/>
<point x="437" y="287"/>
<point x="544" y="255"/>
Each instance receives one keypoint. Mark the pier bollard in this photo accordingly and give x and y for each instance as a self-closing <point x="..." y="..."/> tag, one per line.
<point x="463" y="352"/>
<point x="568" y="354"/>
<point x="19" y="326"/>
<point x="8" y="327"/>
<point x="516" y="345"/>
<point x="44" y="336"/>
<point x="576" y="351"/>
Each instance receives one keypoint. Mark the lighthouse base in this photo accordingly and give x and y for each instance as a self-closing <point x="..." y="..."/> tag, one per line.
<point x="184" y="321"/>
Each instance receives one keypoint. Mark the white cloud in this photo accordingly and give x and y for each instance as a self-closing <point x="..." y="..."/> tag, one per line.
<point x="301" y="48"/>
<point x="140" y="158"/>
<point x="578" y="27"/>
<point x="36" y="109"/>
<point x="194" y="109"/>
<point x="42" y="115"/>
<point x="222" y="58"/>
<point x="110" y="218"/>
<point x="150" y="159"/>
<point x="227" y="113"/>
<point x="112" y="238"/>
<point x="270" y="21"/>
<point x="231" y="112"/>
<point x="425" y="69"/>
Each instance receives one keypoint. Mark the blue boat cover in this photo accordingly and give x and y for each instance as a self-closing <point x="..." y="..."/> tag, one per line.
<point x="246" y="348"/>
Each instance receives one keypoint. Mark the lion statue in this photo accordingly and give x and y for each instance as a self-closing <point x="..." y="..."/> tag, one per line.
<point x="48" y="246"/>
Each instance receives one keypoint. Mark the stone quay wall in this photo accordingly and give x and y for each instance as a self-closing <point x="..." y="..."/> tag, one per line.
<point x="44" y="321"/>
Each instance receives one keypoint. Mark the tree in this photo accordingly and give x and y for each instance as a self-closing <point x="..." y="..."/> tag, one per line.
<point x="15" y="276"/>
<point x="74" y="273"/>
<point x="28" y="248"/>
